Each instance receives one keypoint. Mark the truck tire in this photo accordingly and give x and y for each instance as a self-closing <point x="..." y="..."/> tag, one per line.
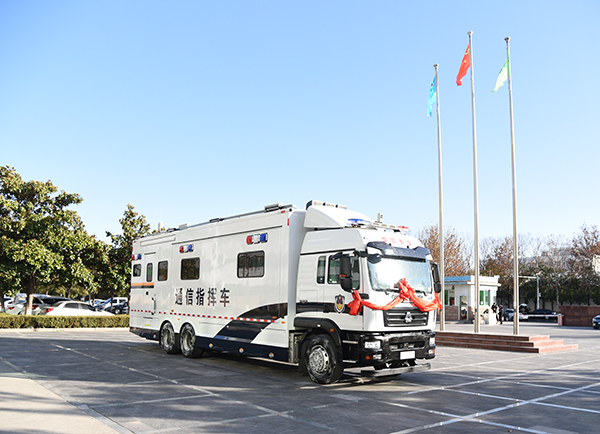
<point x="168" y="339"/>
<point x="322" y="360"/>
<point x="187" y="342"/>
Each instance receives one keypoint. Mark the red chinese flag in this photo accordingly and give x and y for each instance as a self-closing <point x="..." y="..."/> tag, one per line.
<point x="464" y="66"/>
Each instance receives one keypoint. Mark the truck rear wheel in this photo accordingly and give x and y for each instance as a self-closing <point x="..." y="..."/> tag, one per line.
<point x="187" y="342"/>
<point x="322" y="360"/>
<point x="168" y="339"/>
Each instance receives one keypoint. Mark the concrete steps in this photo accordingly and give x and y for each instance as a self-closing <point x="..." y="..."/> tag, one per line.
<point x="526" y="344"/>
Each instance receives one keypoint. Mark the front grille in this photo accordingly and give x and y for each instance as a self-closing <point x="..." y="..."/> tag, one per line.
<point x="403" y="317"/>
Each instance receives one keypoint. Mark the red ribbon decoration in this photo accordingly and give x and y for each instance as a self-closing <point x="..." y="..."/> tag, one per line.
<point x="407" y="292"/>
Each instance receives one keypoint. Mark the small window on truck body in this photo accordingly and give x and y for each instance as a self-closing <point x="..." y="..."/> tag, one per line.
<point x="190" y="269"/>
<point x="163" y="270"/>
<point x="149" y="272"/>
<point x="137" y="270"/>
<point x="251" y="264"/>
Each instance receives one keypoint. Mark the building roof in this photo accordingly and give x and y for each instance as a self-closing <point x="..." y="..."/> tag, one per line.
<point x="470" y="280"/>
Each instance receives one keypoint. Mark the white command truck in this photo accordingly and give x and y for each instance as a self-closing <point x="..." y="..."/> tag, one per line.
<point x="280" y="283"/>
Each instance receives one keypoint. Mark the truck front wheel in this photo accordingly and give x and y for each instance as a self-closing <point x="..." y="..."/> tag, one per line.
<point x="168" y="339"/>
<point x="322" y="360"/>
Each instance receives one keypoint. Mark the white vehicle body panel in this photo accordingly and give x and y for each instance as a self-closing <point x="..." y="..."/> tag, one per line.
<point x="259" y="290"/>
<point x="219" y="300"/>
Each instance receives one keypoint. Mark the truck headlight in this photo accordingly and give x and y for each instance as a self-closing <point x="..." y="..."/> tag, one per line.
<point x="432" y="341"/>
<point x="372" y="345"/>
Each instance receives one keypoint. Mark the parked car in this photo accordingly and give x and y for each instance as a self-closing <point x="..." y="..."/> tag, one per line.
<point x="14" y="307"/>
<point x="47" y="301"/>
<point x="106" y="305"/>
<point x="119" y="309"/>
<point x="39" y="301"/>
<point x="72" y="308"/>
<point x="596" y="322"/>
<point x="510" y="313"/>
<point x="6" y="301"/>
<point x="17" y="305"/>
<point x="543" y="314"/>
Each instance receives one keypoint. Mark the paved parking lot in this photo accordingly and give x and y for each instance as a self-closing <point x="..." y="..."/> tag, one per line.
<point x="106" y="381"/>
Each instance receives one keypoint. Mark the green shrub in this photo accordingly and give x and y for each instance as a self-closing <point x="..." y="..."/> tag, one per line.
<point x="45" y="321"/>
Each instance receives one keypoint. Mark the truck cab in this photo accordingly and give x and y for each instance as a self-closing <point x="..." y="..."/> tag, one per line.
<point x="348" y="260"/>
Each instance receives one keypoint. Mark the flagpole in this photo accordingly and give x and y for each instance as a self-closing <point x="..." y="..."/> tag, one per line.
<point x="441" y="229"/>
<point x="514" y="199"/>
<point x="475" y="192"/>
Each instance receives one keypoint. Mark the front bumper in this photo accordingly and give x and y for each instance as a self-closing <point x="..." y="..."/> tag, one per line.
<point x="395" y="371"/>
<point x="393" y="349"/>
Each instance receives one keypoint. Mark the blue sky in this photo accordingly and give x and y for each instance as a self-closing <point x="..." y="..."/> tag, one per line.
<point x="191" y="110"/>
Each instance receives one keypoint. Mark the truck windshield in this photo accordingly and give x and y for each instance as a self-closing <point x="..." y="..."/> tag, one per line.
<point x="386" y="271"/>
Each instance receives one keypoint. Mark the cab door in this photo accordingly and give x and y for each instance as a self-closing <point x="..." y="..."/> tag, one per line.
<point x="311" y="276"/>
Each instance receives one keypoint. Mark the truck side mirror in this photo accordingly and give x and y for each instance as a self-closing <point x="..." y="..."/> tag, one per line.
<point x="346" y="273"/>
<point x="437" y="283"/>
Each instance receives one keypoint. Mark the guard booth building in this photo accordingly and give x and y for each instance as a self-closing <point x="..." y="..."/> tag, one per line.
<point x="459" y="297"/>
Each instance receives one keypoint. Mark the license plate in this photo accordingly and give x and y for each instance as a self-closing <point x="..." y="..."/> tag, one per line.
<point x="407" y="355"/>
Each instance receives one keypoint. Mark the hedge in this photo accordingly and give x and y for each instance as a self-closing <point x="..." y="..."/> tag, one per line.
<point x="46" y="321"/>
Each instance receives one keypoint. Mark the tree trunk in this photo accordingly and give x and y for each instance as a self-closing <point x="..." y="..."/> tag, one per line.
<point x="29" y="289"/>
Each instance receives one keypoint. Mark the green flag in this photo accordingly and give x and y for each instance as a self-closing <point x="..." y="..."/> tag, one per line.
<point x="502" y="76"/>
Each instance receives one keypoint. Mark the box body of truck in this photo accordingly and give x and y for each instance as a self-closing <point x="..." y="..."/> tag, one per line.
<point x="302" y="286"/>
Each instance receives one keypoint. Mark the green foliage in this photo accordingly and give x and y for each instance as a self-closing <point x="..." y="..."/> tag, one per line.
<point x="46" y="321"/>
<point x="82" y="274"/>
<point x="118" y="274"/>
<point x="43" y="243"/>
<point x="37" y="229"/>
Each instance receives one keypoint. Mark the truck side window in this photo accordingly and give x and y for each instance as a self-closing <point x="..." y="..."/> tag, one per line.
<point x="149" y="272"/>
<point x="334" y="271"/>
<point x="137" y="270"/>
<point x="321" y="270"/>
<point x="355" y="273"/>
<point x="163" y="270"/>
<point x="251" y="264"/>
<point x="190" y="269"/>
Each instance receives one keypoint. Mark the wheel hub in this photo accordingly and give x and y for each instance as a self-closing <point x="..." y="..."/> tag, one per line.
<point x="167" y="337"/>
<point x="319" y="359"/>
<point x="187" y="342"/>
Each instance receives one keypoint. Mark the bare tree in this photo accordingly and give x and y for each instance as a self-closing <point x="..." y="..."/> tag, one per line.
<point x="497" y="259"/>
<point x="456" y="252"/>
<point x="553" y="265"/>
<point x="585" y="248"/>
